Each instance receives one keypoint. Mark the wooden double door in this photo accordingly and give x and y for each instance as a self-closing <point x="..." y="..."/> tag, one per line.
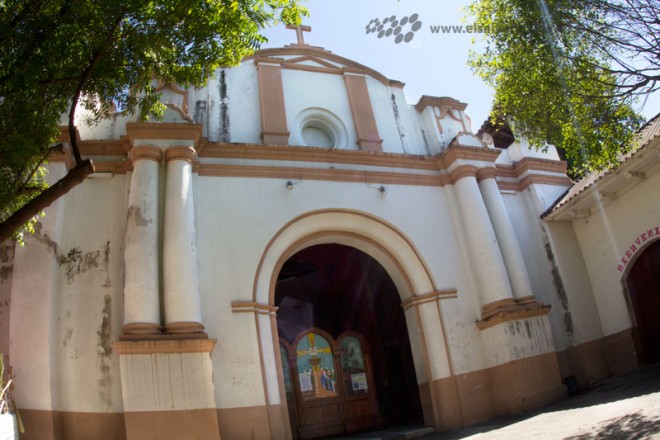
<point x="329" y="384"/>
<point x="643" y="283"/>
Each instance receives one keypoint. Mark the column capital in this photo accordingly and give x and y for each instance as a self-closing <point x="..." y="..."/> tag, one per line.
<point x="181" y="153"/>
<point x="462" y="171"/>
<point x="145" y="152"/>
<point x="486" y="173"/>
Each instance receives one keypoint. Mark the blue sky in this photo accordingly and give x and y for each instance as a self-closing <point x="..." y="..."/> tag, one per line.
<point x="430" y="64"/>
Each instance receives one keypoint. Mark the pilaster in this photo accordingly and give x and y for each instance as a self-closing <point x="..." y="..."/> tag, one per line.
<point x="141" y="265"/>
<point x="183" y="310"/>
<point x="488" y="264"/>
<point x="506" y="237"/>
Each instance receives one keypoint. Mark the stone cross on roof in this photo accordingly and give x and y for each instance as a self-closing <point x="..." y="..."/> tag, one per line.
<point x="299" y="32"/>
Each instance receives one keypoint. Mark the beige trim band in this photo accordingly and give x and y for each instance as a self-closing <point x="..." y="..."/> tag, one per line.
<point x="165" y="346"/>
<point x="510" y="309"/>
<point x="181" y="153"/>
<point x="140" y="329"/>
<point x="382" y="177"/>
<point x="161" y="130"/>
<point x="495" y="307"/>
<point x="486" y="173"/>
<point x="145" y="152"/>
<point x="436" y="101"/>
<point x="462" y="171"/>
<point x="192" y="330"/>
<point x="252" y="307"/>
<point x="121" y="167"/>
<point x="429" y="297"/>
<point x="319" y="155"/>
<point x="272" y="56"/>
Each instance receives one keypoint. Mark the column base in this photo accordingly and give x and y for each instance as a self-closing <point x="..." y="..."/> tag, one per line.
<point x="185" y="330"/>
<point x="496" y="307"/>
<point x="167" y="389"/>
<point x="139" y="331"/>
<point x="511" y="309"/>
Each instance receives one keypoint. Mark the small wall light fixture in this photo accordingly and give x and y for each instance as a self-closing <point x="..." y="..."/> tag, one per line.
<point x="290" y="183"/>
<point x="381" y="188"/>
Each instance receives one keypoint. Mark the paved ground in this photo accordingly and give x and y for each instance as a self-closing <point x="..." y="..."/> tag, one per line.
<point x="625" y="407"/>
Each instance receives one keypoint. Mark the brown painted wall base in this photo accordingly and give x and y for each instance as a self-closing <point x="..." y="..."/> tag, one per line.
<point x="249" y="423"/>
<point x="521" y="385"/>
<point x="47" y="425"/>
<point x="427" y="404"/>
<point x="476" y="396"/>
<point x="620" y="352"/>
<point x="172" y="425"/>
<point x="587" y="362"/>
<point x="596" y="360"/>
<point x="448" y="405"/>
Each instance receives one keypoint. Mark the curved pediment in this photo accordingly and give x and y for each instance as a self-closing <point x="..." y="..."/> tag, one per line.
<point x="316" y="59"/>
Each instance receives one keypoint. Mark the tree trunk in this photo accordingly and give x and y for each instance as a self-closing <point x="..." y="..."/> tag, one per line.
<point x="75" y="176"/>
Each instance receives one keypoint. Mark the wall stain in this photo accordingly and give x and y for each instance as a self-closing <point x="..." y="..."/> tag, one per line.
<point x="6" y="261"/>
<point x="199" y="117"/>
<point x="426" y="142"/>
<point x="45" y="239"/>
<point x="104" y="337"/>
<point x="560" y="289"/>
<point x="104" y="349"/>
<point x="75" y="261"/>
<point x="136" y="218"/>
<point x="7" y="254"/>
<point x="67" y="337"/>
<point x="106" y="264"/>
<point x="528" y="327"/>
<point x="397" y="118"/>
<point x="224" y="108"/>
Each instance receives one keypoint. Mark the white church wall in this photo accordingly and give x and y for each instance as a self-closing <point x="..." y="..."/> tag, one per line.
<point x="521" y="149"/>
<point x="32" y="350"/>
<point x="607" y="238"/>
<point x="257" y="208"/>
<point x="577" y="292"/>
<point x="461" y="314"/>
<point x="432" y="136"/>
<point x="381" y="101"/>
<point x="532" y="241"/>
<point x="243" y="104"/>
<point x="304" y="90"/>
<point x="89" y="307"/>
<point x="408" y="122"/>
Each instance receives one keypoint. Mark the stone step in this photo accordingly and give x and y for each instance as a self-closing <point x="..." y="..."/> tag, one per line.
<point x="390" y="434"/>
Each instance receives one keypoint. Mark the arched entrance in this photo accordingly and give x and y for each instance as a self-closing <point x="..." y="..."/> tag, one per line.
<point x="417" y="290"/>
<point x="346" y="355"/>
<point x="643" y="284"/>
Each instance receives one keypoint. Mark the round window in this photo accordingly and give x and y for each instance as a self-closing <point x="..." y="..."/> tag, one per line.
<point x="317" y="127"/>
<point x="318" y="134"/>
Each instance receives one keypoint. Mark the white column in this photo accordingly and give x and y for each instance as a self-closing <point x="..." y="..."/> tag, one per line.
<point x="513" y="258"/>
<point x="488" y="265"/>
<point x="183" y="311"/>
<point x="141" y="289"/>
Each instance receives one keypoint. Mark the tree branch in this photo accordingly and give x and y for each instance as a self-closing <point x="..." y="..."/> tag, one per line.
<point x="75" y="176"/>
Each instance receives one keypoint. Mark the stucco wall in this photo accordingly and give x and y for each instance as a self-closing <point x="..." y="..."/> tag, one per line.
<point x="605" y="237"/>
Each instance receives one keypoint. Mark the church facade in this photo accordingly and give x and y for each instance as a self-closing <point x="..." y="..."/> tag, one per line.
<point x="296" y="252"/>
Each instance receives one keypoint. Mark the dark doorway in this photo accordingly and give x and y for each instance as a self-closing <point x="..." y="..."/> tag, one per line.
<point x="643" y="284"/>
<point x="337" y="289"/>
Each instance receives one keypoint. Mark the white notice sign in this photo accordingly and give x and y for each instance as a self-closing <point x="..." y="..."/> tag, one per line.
<point x="306" y="382"/>
<point x="359" y="382"/>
